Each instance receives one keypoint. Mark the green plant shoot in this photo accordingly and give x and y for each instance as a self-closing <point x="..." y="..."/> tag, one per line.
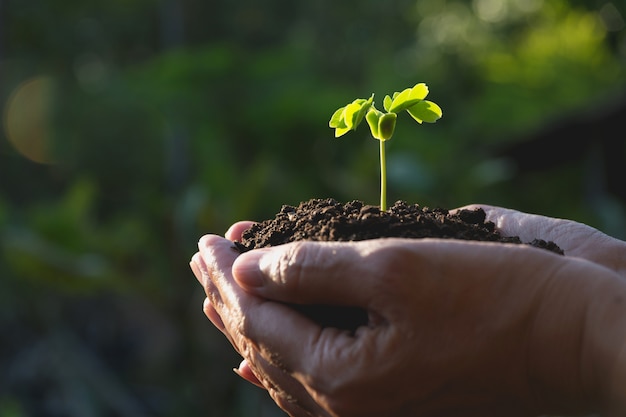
<point x="383" y="123"/>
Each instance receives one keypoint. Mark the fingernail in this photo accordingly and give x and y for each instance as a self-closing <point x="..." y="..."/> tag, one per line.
<point x="212" y="314"/>
<point x="247" y="271"/>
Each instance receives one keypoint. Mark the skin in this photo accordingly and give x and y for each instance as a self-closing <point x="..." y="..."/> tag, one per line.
<point x="455" y="328"/>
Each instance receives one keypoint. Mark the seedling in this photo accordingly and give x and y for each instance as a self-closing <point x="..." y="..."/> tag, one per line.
<point x="383" y="124"/>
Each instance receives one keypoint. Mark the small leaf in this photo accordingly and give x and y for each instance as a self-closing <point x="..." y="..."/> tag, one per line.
<point x="399" y="99"/>
<point x="349" y="117"/>
<point x="340" y="131"/>
<point x="372" y="117"/>
<point x="365" y="106"/>
<point x="408" y="98"/>
<point x="338" y="123"/>
<point x="403" y="101"/>
<point x="386" y="126"/>
<point x="337" y="119"/>
<point x="419" y="91"/>
<point x="425" y="111"/>
<point x="350" y="112"/>
<point x="387" y="103"/>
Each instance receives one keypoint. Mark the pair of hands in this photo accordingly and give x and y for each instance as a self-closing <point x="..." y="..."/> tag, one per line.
<point x="455" y="328"/>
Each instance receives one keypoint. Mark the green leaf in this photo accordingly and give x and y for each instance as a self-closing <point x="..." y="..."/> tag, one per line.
<point x="337" y="119"/>
<point x="350" y="113"/>
<point x="338" y="123"/>
<point x="372" y="117"/>
<point x="349" y="117"/>
<point x="340" y="131"/>
<point x="419" y="91"/>
<point x="382" y="125"/>
<point x="408" y="98"/>
<point x="425" y="111"/>
<point x="365" y="106"/>
<point x="386" y="126"/>
<point x="399" y="101"/>
<point x="387" y="103"/>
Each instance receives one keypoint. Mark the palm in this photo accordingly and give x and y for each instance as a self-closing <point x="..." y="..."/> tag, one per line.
<point x="576" y="239"/>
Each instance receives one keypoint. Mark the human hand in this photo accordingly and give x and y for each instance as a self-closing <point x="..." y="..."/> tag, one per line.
<point x="576" y="239"/>
<point x="456" y="328"/>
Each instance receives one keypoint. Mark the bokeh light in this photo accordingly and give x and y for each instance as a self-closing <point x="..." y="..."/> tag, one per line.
<point x="27" y="119"/>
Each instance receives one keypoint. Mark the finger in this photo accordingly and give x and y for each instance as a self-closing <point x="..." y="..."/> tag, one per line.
<point x="286" y="391"/>
<point x="236" y="230"/>
<point x="576" y="239"/>
<point x="309" y="273"/>
<point x="513" y="223"/>
<point x="231" y="312"/>
<point x="214" y="317"/>
<point x="254" y="324"/>
<point x="217" y="252"/>
<point x="566" y="233"/>
<point x="212" y="314"/>
<point x="194" y="264"/>
<point x="229" y="307"/>
<point x="297" y="345"/>
<point x="245" y="371"/>
<point x="214" y="261"/>
<point x="376" y="275"/>
<point x="516" y="223"/>
<point x="200" y="270"/>
<point x="203" y="275"/>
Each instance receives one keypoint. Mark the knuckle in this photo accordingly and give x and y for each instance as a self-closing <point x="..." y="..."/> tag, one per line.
<point x="289" y="266"/>
<point x="207" y="308"/>
<point x="393" y="261"/>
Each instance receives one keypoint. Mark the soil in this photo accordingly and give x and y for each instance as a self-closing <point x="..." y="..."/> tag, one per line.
<point x="329" y="220"/>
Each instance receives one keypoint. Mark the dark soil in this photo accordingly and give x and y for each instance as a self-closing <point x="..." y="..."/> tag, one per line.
<point x="329" y="220"/>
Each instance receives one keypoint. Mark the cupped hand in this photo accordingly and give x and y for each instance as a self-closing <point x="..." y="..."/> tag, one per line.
<point x="576" y="239"/>
<point x="229" y="308"/>
<point x="456" y="328"/>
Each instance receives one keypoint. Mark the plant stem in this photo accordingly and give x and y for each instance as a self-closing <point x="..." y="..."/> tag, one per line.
<point x="383" y="177"/>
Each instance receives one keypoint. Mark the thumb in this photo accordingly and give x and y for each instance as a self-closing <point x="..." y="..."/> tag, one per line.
<point x="307" y="273"/>
<point x="235" y="231"/>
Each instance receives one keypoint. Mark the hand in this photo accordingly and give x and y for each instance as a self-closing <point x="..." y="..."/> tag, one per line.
<point x="456" y="328"/>
<point x="576" y="239"/>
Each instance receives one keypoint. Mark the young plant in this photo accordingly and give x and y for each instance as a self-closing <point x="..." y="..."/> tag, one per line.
<point x="383" y="123"/>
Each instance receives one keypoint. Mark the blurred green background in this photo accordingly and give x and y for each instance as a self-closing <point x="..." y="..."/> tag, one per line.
<point x="132" y="127"/>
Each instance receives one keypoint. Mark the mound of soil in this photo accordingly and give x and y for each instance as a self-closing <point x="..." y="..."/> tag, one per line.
<point x="329" y="220"/>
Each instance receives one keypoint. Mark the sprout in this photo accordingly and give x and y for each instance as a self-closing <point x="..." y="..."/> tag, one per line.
<point x="383" y="123"/>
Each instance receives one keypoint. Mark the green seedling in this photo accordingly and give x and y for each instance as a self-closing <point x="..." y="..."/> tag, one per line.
<point x="383" y="123"/>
